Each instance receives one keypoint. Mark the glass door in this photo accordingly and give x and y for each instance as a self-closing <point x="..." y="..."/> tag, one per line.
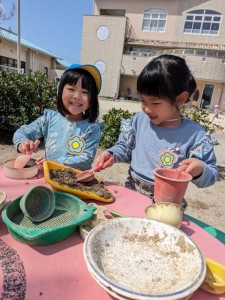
<point x="207" y="96"/>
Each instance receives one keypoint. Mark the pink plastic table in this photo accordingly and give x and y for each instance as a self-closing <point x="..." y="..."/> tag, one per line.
<point x="58" y="271"/>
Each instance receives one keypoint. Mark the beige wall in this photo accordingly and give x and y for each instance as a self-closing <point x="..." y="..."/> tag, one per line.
<point x="127" y="67"/>
<point x="128" y="82"/>
<point x="8" y="49"/>
<point x="184" y="7"/>
<point x="176" y="10"/>
<point x="35" y="61"/>
<point x="108" y="51"/>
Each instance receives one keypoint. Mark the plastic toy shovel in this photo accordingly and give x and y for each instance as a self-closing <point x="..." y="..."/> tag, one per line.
<point x="86" y="176"/>
<point x="22" y="160"/>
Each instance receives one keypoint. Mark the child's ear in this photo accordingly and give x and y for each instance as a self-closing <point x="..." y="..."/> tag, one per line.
<point x="182" y="98"/>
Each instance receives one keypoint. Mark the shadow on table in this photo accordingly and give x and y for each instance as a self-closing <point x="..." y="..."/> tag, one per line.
<point x="51" y="249"/>
<point x="186" y="227"/>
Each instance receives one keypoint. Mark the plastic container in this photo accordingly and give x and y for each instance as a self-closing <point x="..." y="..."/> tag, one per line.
<point x="84" y="195"/>
<point x="214" y="282"/>
<point x="137" y="258"/>
<point x="24" y="173"/>
<point x="170" y="185"/>
<point x="68" y="214"/>
<point x="2" y="199"/>
<point x="166" y="212"/>
<point x="38" y="203"/>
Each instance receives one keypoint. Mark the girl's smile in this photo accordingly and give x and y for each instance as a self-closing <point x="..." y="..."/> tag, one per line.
<point x="160" y="111"/>
<point x="76" y="100"/>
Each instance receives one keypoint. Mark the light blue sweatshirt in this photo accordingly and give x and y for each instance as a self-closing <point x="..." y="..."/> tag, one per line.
<point x="70" y="143"/>
<point x="148" y="146"/>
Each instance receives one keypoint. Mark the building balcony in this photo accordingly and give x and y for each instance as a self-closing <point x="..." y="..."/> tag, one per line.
<point x="205" y="65"/>
<point x="12" y="69"/>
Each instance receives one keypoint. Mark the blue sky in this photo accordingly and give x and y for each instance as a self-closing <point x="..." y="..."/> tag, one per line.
<point x="54" y="25"/>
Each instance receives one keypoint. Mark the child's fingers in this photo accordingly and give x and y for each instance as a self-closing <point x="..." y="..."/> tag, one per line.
<point x="104" y="160"/>
<point x="36" y="144"/>
<point x="24" y="147"/>
<point x="109" y="162"/>
<point x="39" y="160"/>
<point x="182" y="167"/>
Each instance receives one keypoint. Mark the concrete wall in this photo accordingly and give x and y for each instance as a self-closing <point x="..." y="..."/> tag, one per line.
<point x="176" y="10"/>
<point x="126" y="68"/>
<point x="107" y="51"/>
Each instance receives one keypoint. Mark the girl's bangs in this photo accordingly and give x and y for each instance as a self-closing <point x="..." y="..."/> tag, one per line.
<point x="152" y="85"/>
<point x="74" y="77"/>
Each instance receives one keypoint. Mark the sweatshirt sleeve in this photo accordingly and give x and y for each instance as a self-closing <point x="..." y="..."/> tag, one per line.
<point x="123" y="147"/>
<point x="32" y="131"/>
<point x="204" y="151"/>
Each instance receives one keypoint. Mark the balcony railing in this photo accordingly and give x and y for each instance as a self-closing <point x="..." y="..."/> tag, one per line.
<point x="179" y="52"/>
<point x="12" y="69"/>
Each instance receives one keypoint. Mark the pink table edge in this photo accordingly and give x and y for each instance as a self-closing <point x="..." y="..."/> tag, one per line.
<point x="62" y="272"/>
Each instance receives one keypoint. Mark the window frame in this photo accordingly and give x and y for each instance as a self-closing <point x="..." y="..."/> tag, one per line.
<point x="202" y="20"/>
<point x="155" y="19"/>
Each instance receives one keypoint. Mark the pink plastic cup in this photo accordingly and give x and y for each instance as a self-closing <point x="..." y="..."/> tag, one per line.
<point x="170" y="185"/>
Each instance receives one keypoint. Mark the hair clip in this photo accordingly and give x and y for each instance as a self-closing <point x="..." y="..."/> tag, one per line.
<point x="175" y="150"/>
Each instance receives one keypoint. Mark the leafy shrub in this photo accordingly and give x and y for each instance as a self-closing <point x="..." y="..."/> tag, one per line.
<point x="23" y="98"/>
<point x="111" y="129"/>
<point x="114" y="116"/>
<point x="200" y="116"/>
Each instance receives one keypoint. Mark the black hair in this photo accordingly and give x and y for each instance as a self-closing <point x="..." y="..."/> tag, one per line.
<point x="71" y="77"/>
<point x="166" y="76"/>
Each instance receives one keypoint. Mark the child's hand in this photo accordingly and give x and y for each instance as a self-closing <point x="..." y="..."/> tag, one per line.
<point x="28" y="146"/>
<point x="104" y="160"/>
<point x="193" y="166"/>
<point x="39" y="160"/>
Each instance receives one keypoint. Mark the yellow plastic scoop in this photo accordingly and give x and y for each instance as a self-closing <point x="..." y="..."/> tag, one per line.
<point x="215" y="277"/>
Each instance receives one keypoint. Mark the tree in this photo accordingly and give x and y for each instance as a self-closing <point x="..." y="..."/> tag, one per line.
<point x="3" y="16"/>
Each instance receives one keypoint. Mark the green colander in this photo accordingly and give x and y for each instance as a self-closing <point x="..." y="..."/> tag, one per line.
<point x="69" y="212"/>
<point x="38" y="203"/>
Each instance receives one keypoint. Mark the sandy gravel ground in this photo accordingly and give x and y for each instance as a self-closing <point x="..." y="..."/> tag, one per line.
<point x="206" y="204"/>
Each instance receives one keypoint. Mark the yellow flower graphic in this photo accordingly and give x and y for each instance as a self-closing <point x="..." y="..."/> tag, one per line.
<point x="75" y="144"/>
<point x="167" y="158"/>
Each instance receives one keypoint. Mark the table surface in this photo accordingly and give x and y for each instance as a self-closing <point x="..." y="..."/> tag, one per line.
<point x="58" y="271"/>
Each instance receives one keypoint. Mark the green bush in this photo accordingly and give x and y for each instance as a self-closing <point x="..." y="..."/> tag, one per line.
<point x="200" y="116"/>
<point x="23" y="98"/>
<point x="111" y="129"/>
<point x="114" y="116"/>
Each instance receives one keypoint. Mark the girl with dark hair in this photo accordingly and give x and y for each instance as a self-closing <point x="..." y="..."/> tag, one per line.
<point x="159" y="135"/>
<point x="71" y="134"/>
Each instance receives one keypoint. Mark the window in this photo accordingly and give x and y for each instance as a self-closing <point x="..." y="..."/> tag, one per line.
<point x="112" y="12"/>
<point x="189" y="51"/>
<point x="154" y="20"/>
<point x="203" y="21"/>
<point x="178" y="51"/>
<point x="45" y="71"/>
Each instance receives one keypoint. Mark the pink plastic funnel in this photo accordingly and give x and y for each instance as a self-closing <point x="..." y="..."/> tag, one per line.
<point x="170" y="185"/>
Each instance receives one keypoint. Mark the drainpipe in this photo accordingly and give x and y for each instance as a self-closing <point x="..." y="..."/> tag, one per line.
<point x="18" y="36"/>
